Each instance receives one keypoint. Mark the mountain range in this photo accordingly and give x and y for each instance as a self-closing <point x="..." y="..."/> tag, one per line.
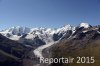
<point x="45" y="35"/>
<point x="23" y="43"/>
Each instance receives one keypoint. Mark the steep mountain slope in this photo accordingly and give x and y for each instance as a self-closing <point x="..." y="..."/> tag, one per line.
<point x="85" y="42"/>
<point x="11" y="52"/>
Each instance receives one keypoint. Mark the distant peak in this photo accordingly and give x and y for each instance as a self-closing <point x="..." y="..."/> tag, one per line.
<point x="85" y="25"/>
<point x="67" y="25"/>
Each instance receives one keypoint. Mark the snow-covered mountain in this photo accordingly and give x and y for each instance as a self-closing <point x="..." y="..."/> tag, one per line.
<point x="42" y="42"/>
<point x="40" y="35"/>
<point x="15" y="33"/>
<point x="85" y="25"/>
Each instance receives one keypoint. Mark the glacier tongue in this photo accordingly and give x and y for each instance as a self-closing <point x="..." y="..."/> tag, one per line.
<point x="38" y="51"/>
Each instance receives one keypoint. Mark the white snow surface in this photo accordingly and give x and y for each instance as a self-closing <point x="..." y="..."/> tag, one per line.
<point x="15" y="31"/>
<point x="38" y="51"/>
<point x="15" y="37"/>
<point x="85" y="25"/>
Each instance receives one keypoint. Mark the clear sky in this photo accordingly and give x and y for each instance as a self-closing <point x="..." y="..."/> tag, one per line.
<point x="48" y="13"/>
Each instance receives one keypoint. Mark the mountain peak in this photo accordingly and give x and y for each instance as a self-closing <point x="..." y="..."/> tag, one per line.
<point x="67" y="25"/>
<point x="16" y="30"/>
<point x="85" y="25"/>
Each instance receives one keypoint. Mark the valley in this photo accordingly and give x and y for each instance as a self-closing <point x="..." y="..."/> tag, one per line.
<point x="31" y="44"/>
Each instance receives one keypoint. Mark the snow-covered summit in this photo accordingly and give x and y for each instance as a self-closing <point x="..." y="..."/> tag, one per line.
<point x="16" y="31"/>
<point x="85" y="25"/>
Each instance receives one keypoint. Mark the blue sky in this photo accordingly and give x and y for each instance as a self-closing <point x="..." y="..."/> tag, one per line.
<point x="48" y="13"/>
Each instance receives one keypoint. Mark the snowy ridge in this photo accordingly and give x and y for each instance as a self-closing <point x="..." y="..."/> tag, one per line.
<point x="18" y="31"/>
<point x="45" y="34"/>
